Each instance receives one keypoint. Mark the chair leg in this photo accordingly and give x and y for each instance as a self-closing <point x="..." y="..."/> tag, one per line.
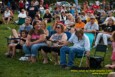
<point x="82" y="59"/>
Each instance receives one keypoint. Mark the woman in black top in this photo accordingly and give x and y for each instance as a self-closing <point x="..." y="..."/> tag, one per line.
<point x="106" y="32"/>
<point x="47" y="16"/>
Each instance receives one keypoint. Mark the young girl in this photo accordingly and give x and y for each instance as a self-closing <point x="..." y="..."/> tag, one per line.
<point x="12" y="46"/>
<point x="113" y="52"/>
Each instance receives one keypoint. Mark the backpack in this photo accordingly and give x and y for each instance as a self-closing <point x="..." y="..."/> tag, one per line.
<point x="95" y="62"/>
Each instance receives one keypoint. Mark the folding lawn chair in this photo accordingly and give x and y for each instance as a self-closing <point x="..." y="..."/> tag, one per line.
<point x="100" y="48"/>
<point x="21" y="21"/>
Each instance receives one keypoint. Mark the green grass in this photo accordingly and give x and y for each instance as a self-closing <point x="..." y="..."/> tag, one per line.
<point x="15" y="68"/>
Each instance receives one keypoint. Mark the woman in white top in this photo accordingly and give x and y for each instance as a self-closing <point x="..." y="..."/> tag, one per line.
<point x="7" y="16"/>
<point x="22" y="14"/>
<point x="41" y="9"/>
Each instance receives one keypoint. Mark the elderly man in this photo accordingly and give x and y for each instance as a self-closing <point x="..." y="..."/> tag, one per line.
<point x="81" y="44"/>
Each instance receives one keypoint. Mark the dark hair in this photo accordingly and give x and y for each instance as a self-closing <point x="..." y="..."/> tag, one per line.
<point x="37" y="16"/>
<point x="79" y="31"/>
<point x="34" y="23"/>
<point x="57" y="17"/>
<point x="24" y="32"/>
<point x="40" y="31"/>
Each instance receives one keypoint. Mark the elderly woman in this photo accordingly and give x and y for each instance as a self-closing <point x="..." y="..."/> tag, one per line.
<point x="47" y="16"/>
<point x="70" y="21"/>
<point x="106" y="32"/>
<point x="56" y="40"/>
<point x="90" y="29"/>
<point x="35" y="40"/>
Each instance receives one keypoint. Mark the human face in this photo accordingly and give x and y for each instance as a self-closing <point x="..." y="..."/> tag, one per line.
<point x="110" y="21"/>
<point x="58" y="29"/>
<point x="92" y="20"/>
<point x="79" y="35"/>
<point x="27" y="21"/>
<point x="23" y="34"/>
<point x="37" y="26"/>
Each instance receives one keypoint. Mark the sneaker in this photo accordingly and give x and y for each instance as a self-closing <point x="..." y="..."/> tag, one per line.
<point x="23" y="58"/>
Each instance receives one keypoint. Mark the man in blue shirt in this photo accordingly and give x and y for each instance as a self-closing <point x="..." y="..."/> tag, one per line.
<point x="26" y="26"/>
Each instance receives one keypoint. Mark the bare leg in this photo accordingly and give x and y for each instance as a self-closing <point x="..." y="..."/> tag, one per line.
<point x="8" y="20"/>
<point x="33" y="59"/>
<point x="55" y="56"/>
<point x="15" y="34"/>
<point x="113" y="62"/>
<point x="113" y="65"/>
<point x="45" y="57"/>
<point x="111" y="74"/>
<point x="3" y="20"/>
<point x="9" y="48"/>
<point x="13" y="50"/>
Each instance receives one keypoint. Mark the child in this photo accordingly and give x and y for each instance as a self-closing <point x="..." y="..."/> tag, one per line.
<point x="113" y="52"/>
<point x="12" y="46"/>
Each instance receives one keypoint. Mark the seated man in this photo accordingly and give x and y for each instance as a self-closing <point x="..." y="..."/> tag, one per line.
<point x="80" y="44"/>
<point x="26" y="26"/>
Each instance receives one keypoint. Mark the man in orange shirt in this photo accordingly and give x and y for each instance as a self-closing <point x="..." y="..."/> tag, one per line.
<point x="79" y="24"/>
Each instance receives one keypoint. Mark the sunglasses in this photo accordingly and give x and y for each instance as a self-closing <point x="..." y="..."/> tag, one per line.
<point x="58" y="27"/>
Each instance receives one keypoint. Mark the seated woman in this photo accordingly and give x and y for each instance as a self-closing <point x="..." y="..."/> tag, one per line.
<point x="106" y="32"/>
<point x="43" y="26"/>
<point x="7" y="16"/>
<point x="37" y="18"/>
<point x="57" y="20"/>
<point x="70" y="21"/>
<point x="35" y="39"/>
<point x="57" y="40"/>
<point x="112" y="66"/>
<point x="90" y="29"/>
<point x="22" y="15"/>
<point x="79" y="23"/>
<point x="47" y="16"/>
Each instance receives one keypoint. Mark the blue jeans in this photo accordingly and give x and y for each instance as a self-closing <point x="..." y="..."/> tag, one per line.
<point x="71" y="55"/>
<point x="33" y="49"/>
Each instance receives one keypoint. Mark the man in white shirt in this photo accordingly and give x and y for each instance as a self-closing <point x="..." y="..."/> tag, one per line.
<point x="81" y="44"/>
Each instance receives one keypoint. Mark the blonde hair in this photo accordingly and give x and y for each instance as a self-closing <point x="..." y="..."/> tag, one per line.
<point x="113" y="22"/>
<point x="44" y="23"/>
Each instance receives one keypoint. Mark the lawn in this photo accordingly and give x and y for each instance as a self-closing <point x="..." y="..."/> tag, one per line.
<point x="15" y="68"/>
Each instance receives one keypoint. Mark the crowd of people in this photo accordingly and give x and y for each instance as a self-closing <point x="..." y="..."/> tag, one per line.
<point x="73" y="30"/>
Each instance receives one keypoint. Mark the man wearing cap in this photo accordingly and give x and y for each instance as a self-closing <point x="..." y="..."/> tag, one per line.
<point x="91" y="28"/>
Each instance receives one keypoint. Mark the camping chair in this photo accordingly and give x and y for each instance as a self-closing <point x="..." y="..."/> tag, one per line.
<point x="80" y="56"/>
<point x="79" y="67"/>
<point x="21" y="21"/>
<point x="68" y="34"/>
<point x="9" y="41"/>
<point x="100" y="48"/>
